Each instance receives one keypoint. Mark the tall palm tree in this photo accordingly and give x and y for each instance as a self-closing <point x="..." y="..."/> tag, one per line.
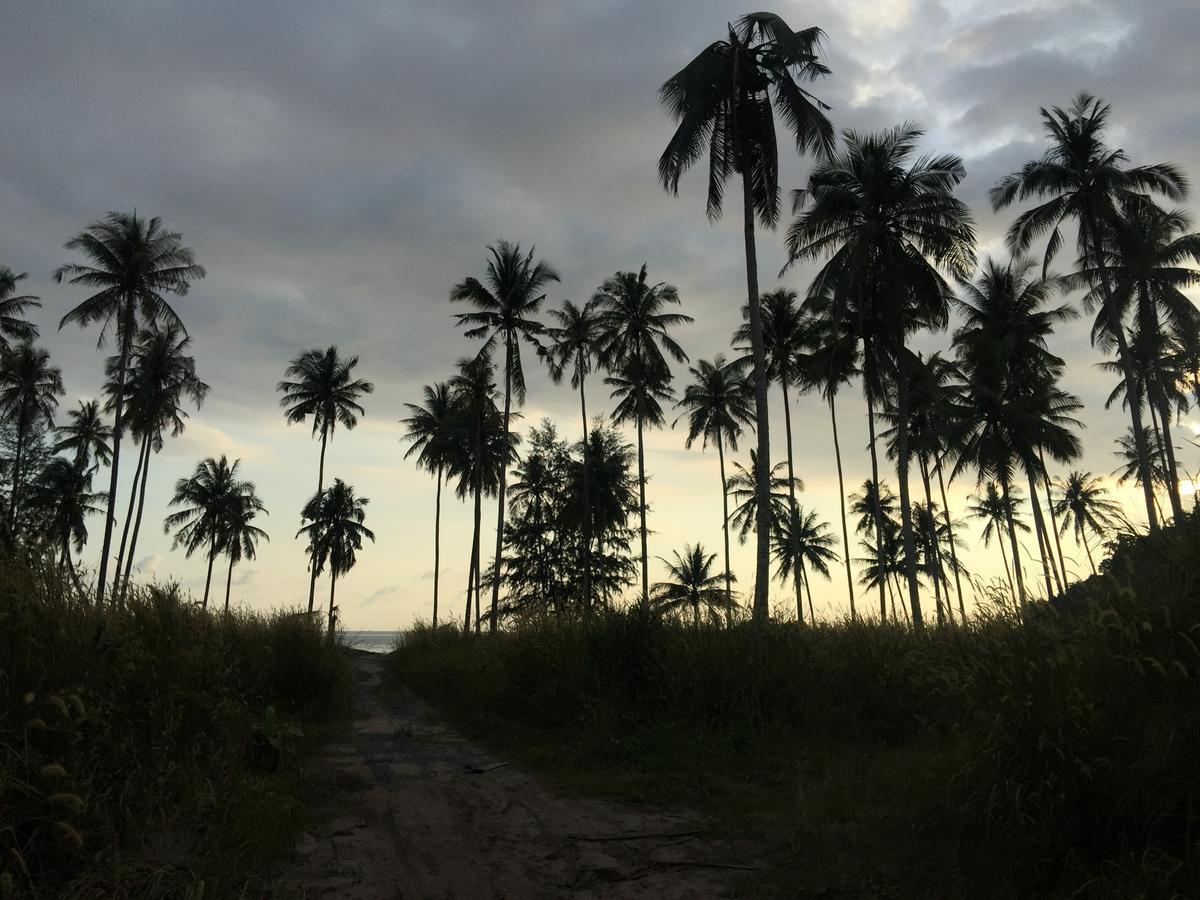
<point x="161" y="377"/>
<point x="634" y="346"/>
<point x="742" y="486"/>
<point x="1084" y="182"/>
<point x="875" y="506"/>
<point x="64" y="497"/>
<point x="207" y="498"/>
<point x="575" y="340"/>
<point x="335" y="532"/>
<point x="640" y="390"/>
<point x="239" y="534"/>
<point x="134" y="265"/>
<point x="725" y="100"/>
<point x="998" y="512"/>
<point x="12" y="309"/>
<point x="85" y="435"/>
<point x="1085" y="507"/>
<point x="29" y="390"/>
<point x="321" y="385"/>
<point x="506" y="301"/>
<point x="692" y="584"/>
<point x="1130" y="468"/>
<point x="718" y="404"/>
<point x="885" y="227"/>
<point x="801" y="542"/>
<point x="432" y="430"/>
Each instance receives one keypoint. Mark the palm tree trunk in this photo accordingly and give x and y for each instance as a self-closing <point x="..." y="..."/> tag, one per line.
<point x="1039" y="526"/>
<point x="73" y="573"/>
<point x="437" y="544"/>
<point x="477" y="477"/>
<point x="935" y="552"/>
<point x="1007" y="573"/>
<point x="212" y="555"/>
<point x="332" y="585"/>
<point x="125" y="336"/>
<point x="1086" y="549"/>
<point x="762" y="486"/>
<point x="1062" y="560"/>
<point x="587" y="501"/>
<point x="642" y="514"/>
<point x="837" y="454"/>
<point x="16" y="479"/>
<point x="312" y="582"/>
<point x="228" y="582"/>
<point x="787" y="424"/>
<point x="1012" y="538"/>
<point x="508" y="354"/>
<point x="812" y="616"/>
<point x="125" y="528"/>
<point x="137" y="525"/>
<point x="906" y="525"/>
<point x="962" y="610"/>
<point x="725" y="529"/>
<point x="878" y="511"/>
<point x="1164" y="418"/>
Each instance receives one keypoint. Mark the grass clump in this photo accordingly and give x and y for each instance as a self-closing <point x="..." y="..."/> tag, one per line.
<point x="132" y="741"/>
<point x="1045" y="753"/>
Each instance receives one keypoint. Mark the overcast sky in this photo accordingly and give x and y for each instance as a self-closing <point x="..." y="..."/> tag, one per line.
<point x="337" y="167"/>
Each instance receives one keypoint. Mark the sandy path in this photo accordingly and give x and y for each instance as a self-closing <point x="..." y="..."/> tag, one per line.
<point x="415" y="811"/>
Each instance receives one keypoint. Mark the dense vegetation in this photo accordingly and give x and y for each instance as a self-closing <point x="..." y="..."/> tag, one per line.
<point x="1022" y="754"/>
<point x="150" y="749"/>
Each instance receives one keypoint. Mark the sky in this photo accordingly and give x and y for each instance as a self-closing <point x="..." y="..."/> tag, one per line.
<point x="338" y="167"/>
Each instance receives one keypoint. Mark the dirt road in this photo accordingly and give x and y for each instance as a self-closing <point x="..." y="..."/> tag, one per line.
<point x="415" y="811"/>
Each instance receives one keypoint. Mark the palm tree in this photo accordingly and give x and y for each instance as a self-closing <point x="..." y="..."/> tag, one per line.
<point x="85" y="435"/>
<point x="208" y="498"/>
<point x="12" y="307"/>
<point x="692" y="584"/>
<point x="718" y="404"/>
<point x="742" y="486"/>
<point x="133" y="265"/>
<point x="875" y="506"/>
<point x="1130" y="468"/>
<point x="64" y="497"/>
<point x="1084" y="506"/>
<point x="1084" y="182"/>
<point x="506" y="301"/>
<point x="322" y="385"/>
<point x="726" y="99"/>
<point x="29" y="392"/>
<point x="575" y="340"/>
<point x="239" y="536"/>
<point x="641" y="391"/>
<point x="335" y="533"/>
<point x="161" y="376"/>
<point x="885" y="227"/>
<point x="998" y="512"/>
<point x="801" y="542"/>
<point x="634" y="346"/>
<point x="431" y="430"/>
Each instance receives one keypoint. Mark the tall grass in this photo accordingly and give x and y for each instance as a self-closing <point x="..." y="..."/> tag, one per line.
<point x="127" y="739"/>
<point x="1064" y="742"/>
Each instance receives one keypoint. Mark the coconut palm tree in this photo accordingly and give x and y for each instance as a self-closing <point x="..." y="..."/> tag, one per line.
<point x="335" y="533"/>
<point x="12" y="308"/>
<point x="29" y="390"/>
<point x="742" y="487"/>
<point x="718" y="403"/>
<point x="133" y="265"/>
<point x="1084" y="507"/>
<point x="207" y="498"/>
<point x="1130" y="468"/>
<point x="575" y="340"/>
<point x="886" y="228"/>
<point x="432" y="431"/>
<point x="239" y="534"/>
<point x="692" y="584"/>
<point x="64" y="498"/>
<point x="506" y="301"/>
<point x="319" y="384"/>
<point x="998" y="512"/>
<point x="800" y="543"/>
<point x="1085" y="183"/>
<point x="85" y="436"/>
<point x="725" y="101"/>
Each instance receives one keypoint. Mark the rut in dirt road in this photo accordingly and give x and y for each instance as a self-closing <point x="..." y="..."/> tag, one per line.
<point x="415" y="811"/>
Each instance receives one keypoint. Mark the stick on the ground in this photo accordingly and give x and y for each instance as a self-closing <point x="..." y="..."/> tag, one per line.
<point x="479" y="770"/>
<point x="633" y="836"/>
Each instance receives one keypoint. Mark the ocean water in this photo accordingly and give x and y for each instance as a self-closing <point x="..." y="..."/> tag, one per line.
<point x="373" y="641"/>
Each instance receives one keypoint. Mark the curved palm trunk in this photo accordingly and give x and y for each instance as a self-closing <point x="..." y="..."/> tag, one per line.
<point x="906" y="525"/>
<point x="935" y="552"/>
<point x="212" y="555"/>
<point x="137" y="525"/>
<point x="1012" y="538"/>
<point x="473" y="564"/>
<point x="878" y="511"/>
<point x="312" y="582"/>
<point x="812" y="615"/>
<point x="962" y="609"/>
<point x="508" y="354"/>
<point x="1007" y="572"/>
<point x="725" y="529"/>
<point x="228" y="582"/>
<point x="837" y="454"/>
<point x="787" y="424"/>
<point x="125" y="336"/>
<point x="762" y="486"/>
<point x="642" y="513"/>
<point x="1164" y="418"/>
<point x="1082" y="536"/>
<point x="332" y="585"/>
<point x="1039" y="526"/>
<point x="1062" y="560"/>
<point x="143" y="449"/>
<point x="437" y="543"/>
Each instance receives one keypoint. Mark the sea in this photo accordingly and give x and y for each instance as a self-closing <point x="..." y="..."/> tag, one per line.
<point x="373" y="641"/>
